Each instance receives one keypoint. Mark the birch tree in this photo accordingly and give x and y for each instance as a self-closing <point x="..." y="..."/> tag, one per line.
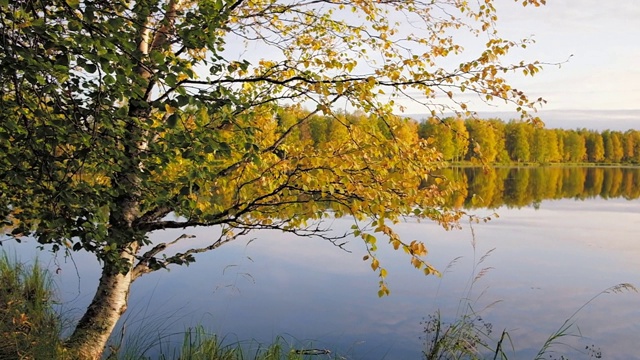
<point x="123" y="118"/>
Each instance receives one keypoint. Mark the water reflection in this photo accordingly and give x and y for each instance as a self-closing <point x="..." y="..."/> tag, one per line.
<point x="518" y="187"/>
<point x="547" y="264"/>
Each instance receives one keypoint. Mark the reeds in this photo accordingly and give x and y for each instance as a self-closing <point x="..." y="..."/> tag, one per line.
<point x="29" y="326"/>
<point x="468" y="336"/>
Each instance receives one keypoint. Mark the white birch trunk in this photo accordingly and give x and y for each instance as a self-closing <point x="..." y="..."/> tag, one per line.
<point x="90" y="337"/>
<point x="109" y="303"/>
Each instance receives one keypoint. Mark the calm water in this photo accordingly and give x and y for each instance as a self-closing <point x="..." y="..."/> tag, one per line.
<point x="549" y="260"/>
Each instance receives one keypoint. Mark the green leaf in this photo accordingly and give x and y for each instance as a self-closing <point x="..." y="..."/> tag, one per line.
<point x="171" y="80"/>
<point x="108" y="80"/>
<point x="172" y="120"/>
<point x="74" y="4"/>
<point x="183" y="100"/>
<point x="369" y="239"/>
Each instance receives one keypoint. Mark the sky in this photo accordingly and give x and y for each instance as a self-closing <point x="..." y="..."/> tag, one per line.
<point x="598" y="43"/>
<point x="599" y="86"/>
<point x="602" y="36"/>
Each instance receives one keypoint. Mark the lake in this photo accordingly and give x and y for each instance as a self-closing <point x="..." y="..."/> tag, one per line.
<point x="563" y="235"/>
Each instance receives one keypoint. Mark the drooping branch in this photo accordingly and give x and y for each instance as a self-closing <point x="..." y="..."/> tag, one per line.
<point x="276" y="143"/>
<point x="173" y="224"/>
<point x="471" y="80"/>
<point x="311" y="231"/>
<point x="147" y="263"/>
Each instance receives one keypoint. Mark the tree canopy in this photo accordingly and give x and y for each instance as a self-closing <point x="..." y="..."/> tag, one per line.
<point x="121" y="118"/>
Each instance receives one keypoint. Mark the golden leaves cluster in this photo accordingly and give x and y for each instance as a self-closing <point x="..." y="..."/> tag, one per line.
<point x="363" y="49"/>
<point x="364" y="168"/>
<point x="251" y="163"/>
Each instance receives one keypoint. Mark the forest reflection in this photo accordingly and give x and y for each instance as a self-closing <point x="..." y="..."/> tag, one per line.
<point x="478" y="187"/>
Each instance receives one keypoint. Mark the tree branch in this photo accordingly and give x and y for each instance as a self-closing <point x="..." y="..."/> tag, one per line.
<point x="147" y="261"/>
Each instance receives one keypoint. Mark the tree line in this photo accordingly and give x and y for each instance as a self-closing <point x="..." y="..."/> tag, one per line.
<point x="492" y="140"/>
<point x="495" y="141"/>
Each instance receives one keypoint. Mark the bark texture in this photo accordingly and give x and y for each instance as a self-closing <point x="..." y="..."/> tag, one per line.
<point x="109" y="303"/>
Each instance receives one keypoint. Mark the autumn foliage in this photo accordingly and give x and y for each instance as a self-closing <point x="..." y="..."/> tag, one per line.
<point x="496" y="141"/>
<point x="121" y="118"/>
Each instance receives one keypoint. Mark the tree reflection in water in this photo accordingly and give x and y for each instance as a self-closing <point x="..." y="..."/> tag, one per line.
<point x="478" y="187"/>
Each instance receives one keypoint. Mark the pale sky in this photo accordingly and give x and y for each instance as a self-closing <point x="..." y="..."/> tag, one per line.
<point x="602" y="36"/>
<point x="597" y="42"/>
<point x="598" y="87"/>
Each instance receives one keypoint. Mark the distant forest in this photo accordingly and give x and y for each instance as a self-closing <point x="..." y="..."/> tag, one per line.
<point x="522" y="142"/>
<point x="492" y="140"/>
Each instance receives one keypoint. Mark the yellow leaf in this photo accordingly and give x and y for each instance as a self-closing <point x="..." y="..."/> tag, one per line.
<point x="369" y="239"/>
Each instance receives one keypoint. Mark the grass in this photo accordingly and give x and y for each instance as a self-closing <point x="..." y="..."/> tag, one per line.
<point x="29" y="326"/>
<point x="159" y="340"/>
<point x="566" y="329"/>
<point x="468" y="336"/>
<point x="198" y="344"/>
<point x="31" y="329"/>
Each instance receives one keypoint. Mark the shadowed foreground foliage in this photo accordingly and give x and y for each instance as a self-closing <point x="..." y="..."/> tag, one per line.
<point x="29" y="326"/>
